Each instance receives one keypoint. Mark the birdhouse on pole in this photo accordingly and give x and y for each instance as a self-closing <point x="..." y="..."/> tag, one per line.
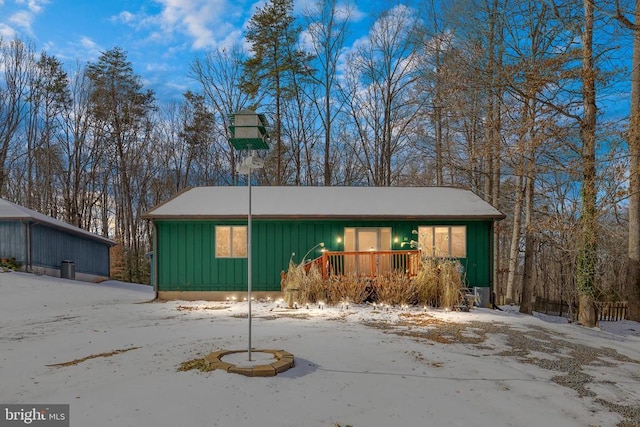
<point x="248" y="130"/>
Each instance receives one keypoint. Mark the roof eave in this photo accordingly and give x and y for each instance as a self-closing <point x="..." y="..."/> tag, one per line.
<point x="336" y="217"/>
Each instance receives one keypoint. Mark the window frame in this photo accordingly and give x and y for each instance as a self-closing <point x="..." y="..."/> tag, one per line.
<point x="232" y="251"/>
<point x="432" y="250"/>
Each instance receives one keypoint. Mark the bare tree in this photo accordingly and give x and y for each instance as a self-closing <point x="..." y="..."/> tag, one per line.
<point x="219" y="74"/>
<point x="587" y="250"/>
<point x="328" y="24"/>
<point x="16" y="63"/>
<point x="83" y="158"/>
<point x="634" y="167"/>
<point x="382" y="74"/>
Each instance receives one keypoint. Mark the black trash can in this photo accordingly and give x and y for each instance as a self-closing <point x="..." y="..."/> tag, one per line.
<point x="68" y="269"/>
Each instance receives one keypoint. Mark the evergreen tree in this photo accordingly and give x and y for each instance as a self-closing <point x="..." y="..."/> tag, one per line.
<point x="121" y="109"/>
<point x="275" y="61"/>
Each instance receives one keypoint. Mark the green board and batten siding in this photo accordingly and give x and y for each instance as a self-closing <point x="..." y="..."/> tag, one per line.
<point x="186" y="259"/>
<point x="295" y="219"/>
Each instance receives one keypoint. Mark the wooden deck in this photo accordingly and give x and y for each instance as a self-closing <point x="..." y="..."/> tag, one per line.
<point x="369" y="264"/>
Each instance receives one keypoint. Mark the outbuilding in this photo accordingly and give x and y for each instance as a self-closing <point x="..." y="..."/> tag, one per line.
<point x="200" y="235"/>
<point x="45" y="245"/>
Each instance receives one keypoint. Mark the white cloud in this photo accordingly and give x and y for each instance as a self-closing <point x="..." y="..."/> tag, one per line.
<point x="34" y="6"/>
<point x="7" y="32"/>
<point x="205" y="22"/>
<point x="125" y="17"/>
<point x="22" y="19"/>
<point x="83" y="49"/>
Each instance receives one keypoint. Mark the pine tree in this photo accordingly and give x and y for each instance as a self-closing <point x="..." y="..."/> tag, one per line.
<point x="121" y="108"/>
<point x="275" y="60"/>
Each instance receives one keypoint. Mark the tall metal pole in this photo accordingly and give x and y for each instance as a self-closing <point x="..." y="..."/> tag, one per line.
<point x="249" y="256"/>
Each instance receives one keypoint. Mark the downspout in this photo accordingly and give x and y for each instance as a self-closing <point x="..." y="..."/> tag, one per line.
<point x="154" y="258"/>
<point x="28" y="250"/>
<point x="493" y="277"/>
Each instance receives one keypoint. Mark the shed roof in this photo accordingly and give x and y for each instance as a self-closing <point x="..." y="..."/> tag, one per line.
<point x="12" y="212"/>
<point x="323" y="202"/>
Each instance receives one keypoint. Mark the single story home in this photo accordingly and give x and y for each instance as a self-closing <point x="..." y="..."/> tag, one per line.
<point x="200" y="235"/>
<point x="45" y="245"/>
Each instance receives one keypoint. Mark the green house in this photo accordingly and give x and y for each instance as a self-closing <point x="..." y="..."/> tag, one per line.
<point x="200" y="235"/>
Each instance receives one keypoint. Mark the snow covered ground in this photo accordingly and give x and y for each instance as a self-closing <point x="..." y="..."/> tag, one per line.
<point x="118" y="357"/>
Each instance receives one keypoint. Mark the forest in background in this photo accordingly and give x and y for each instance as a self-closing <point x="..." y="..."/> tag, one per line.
<point x="528" y="103"/>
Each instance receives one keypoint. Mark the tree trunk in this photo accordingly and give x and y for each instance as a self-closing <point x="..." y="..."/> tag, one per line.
<point x="526" y="306"/>
<point x="587" y="250"/>
<point x="514" y="251"/>
<point x="634" y="178"/>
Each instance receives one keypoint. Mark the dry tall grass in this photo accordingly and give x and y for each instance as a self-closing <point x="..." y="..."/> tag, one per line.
<point x="450" y="283"/>
<point x="438" y="284"/>
<point x="427" y="283"/>
<point x="347" y="289"/>
<point x="301" y="286"/>
<point x="313" y="288"/>
<point x="395" y="288"/>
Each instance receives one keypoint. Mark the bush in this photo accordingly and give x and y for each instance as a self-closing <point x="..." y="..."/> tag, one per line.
<point x="302" y="286"/>
<point x="395" y="289"/>
<point x="9" y="264"/>
<point x="439" y="282"/>
<point x="347" y="288"/>
<point x="427" y="283"/>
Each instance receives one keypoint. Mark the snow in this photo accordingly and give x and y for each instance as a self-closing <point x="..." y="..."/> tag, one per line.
<point x="119" y="352"/>
<point x="314" y="202"/>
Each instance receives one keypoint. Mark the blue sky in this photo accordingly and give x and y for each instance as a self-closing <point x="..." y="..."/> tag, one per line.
<point x="161" y="37"/>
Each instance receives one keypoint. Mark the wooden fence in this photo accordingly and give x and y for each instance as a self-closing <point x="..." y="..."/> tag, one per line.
<point x="607" y="311"/>
<point x="612" y="311"/>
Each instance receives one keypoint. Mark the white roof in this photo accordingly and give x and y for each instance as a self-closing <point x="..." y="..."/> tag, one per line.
<point x="322" y="202"/>
<point x="10" y="211"/>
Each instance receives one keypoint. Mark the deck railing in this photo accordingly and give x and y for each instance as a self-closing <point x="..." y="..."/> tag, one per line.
<point x="367" y="264"/>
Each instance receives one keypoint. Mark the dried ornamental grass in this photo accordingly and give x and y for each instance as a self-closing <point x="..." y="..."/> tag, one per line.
<point x="292" y="283"/>
<point x="426" y="282"/>
<point x="450" y="283"/>
<point x="313" y="288"/>
<point x="395" y="289"/>
<point x="350" y="289"/>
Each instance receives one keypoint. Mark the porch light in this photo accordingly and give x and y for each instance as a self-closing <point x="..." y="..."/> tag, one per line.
<point x="338" y="239"/>
<point x="248" y="131"/>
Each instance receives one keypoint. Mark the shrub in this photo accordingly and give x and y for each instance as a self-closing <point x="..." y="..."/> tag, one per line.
<point x="395" y="288"/>
<point x="450" y="282"/>
<point x="313" y="288"/>
<point x="347" y="288"/>
<point x="9" y="264"/>
<point x="427" y="283"/>
<point x="302" y="286"/>
<point x="439" y="282"/>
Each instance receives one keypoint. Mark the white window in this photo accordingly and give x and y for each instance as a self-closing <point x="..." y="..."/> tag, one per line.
<point x="231" y="241"/>
<point x="443" y="241"/>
